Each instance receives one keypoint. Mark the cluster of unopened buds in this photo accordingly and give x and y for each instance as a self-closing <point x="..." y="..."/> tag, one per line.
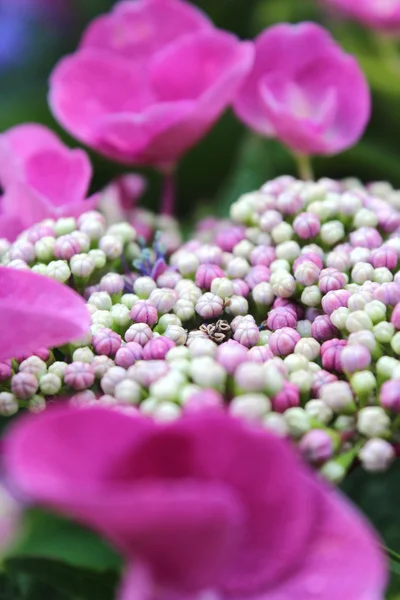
<point x="288" y="314"/>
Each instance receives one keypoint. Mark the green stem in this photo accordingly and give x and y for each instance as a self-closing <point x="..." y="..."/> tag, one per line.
<point x="304" y="167"/>
<point x="388" y="50"/>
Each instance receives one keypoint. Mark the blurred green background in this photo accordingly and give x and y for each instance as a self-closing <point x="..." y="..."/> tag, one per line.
<point x="230" y="160"/>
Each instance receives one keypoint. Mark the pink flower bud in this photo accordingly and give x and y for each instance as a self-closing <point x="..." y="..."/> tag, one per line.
<point x="335" y="299"/>
<point x="157" y="348"/>
<point x="384" y="257"/>
<point x="395" y="318"/>
<point x="128" y="354"/>
<point x="144" y="312"/>
<point x="147" y="372"/>
<point x="163" y="299"/>
<point x="247" y="333"/>
<point x="388" y="293"/>
<point x="259" y="354"/>
<point x="42" y="353"/>
<point x="321" y="378"/>
<point x="169" y="279"/>
<point x="209" y="254"/>
<point x="79" y="375"/>
<point x="206" y="399"/>
<point x="24" y="385"/>
<point x="139" y="333"/>
<point x="283" y="341"/>
<point x="106" y="341"/>
<point x="307" y="257"/>
<point x="390" y="395"/>
<point x="112" y="283"/>
<point x="331" y="352"/>
<point x="270" y="219"/>
<point x="101" y="364"/>
<point x="37" y="232"/>
<point x="228" y="237"/>
<point x="289" y="305"/>
<point x="230" y="355"/>
<point x="307" y="273"/>
<point x="355" y="358"/>
<point x="5" y="370"/>
<point x="240" y="288"/>
<point x="209" y="306"/>
<point x="331" y="279"/>
<point x="289" y="202"/>
<point x="280" y="317"/>
<point x="256" y="275"/>
<point x="366" y="237"/>
<point x="22" y="250"/>
<point x="316" y="446"/>
<point x="66" y="247"/>
<point x="262" y="255"/>
<point x="288" y="397"/>
<point x="306" y="225"/>
<point x="388" y="220"/>
<point x="206" y="273"/>
<point x="322" y="329"/>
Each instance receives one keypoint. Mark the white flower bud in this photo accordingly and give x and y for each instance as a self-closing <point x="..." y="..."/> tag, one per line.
<point x="101" y="300"/>
<point x="222" y="287"/>
<point x="358" y="321"/>
<point x="241" y="211"/>
<point x="302" y="379"/>
<point x="40" y="269"/>
<point x="82" y="265"/>
<point x="98" y="257"/>
<point x="58" y="368"/>
<point x="111" y="378"/>
<point x="111" y="245"/>
<point x="298" y="421"/>
<point x="308" y="347"/>
<point x="103" y="318"/>
<point x="295" y="362"/>
<point x="289" y="250"/>
<point x="285" y="286"/>
<point x="125" y="232"/>
<point x="8" y="404"/>
<point x="333" y="471"/>
<point x="93" y="228"/>
<point x="44" y="248"/>
<point x="50" y="384"/>
<point x="187" y="263"/>
<point x="263" y="294"/>
<point x="83" y="354"/>
<point x="202" y="347"/>
<point x="283" y="232"/>
<point x="386" y="366"/>
<point x="129" y="300"/>
<point x="120" y="315"/>
<point x="236" y="305"/>
<point x="250" y="406"/>
<point x="177" y="334"/>
<point x="64" y="225"/>
<point x="365" y="218"/>
<point x="163" y="299"/>
<point x="339" y="317"/>
<point x="311" y="296"/>
<point x="59" y="270"/>
<point x="332" y="232"/>
<point x="167" y="388"/>
<point x="372" y="421"/>
<point x="238" y="267"/>
<point x="276" y="422"/>
<point x="359" y="255"/>
<point x="376" y="455"/>
<point x="382" y="275"/>
<point x="319" y="410"/>
<point x="243" y="249"/>
<point x="143" y="286"/>
<point x="337" y="395"/>
<point x="165" y="412"/>
<point x="273" y="379"/>
<point x="208" y="373"/>
<point x="362" y="272"/>
<point x="128" y="391"/>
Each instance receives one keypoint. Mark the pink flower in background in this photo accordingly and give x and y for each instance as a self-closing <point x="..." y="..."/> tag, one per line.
<point x="37" y="311"/>
<point x="148" y="81"/>
<point x="304" y="90"/>
<point x="41" y="178"/>
<point x="377" y="14"/>
<point x="206" y="504"/>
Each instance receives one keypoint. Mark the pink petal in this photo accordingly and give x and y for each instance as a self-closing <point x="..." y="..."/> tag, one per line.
<point x="136" y="30"/>
<point x="10" y="227"/>
<point x="37" y="311"/>
<point x="21" y="142"/>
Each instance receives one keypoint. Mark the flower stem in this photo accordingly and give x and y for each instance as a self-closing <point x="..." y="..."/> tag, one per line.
<point x="168" y="193"/>
<point x="304" y="167"/>
<point x="388" y="50"/>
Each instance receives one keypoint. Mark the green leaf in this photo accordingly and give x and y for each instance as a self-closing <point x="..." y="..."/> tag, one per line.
<point x="47" y="535"/>
<point x="75" y="583"/>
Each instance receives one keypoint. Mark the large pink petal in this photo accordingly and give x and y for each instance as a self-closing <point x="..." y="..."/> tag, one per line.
<point x="283" y="48"/>
<point x="10" y="226"/>
<point x="61" y="176"/>
<point x="136" y="30"/>
<point x="37" y="312"/>
<point x="90" y="85"/>
<point x="18" y="144"/>
<point x="342" y="559"/>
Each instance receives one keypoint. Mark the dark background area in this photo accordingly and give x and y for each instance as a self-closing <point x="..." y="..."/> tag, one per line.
<point x="34" y="34"/>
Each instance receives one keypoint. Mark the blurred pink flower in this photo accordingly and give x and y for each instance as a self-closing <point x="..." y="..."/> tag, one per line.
<point x="41" y="178"/>
<point x="377" y="14"/>
<point x="37" y="311"/>
<point x="304" y="90"/>
<point x="206" y="504"/>
<point x="119" y="198"/>
<point x="148" y="81"/>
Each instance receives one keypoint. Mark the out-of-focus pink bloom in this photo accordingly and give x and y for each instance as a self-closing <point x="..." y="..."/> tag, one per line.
<point x="355" y="357"/>
<point x="240" y="522"/>
<point x="384" y="257"/>
<point x="204" y="400"/>
<point x="118" y="202"/>
<point x="288" y="397"/>
<point x="230" y="355"/>
<point x="148" y="81"/>
<point x="304" y="90"/>
<point x="206" y="273"/>
<point x="37" y="311"/>
<point x="228" y="236"/>
<point x="41" y="178"/>
<point x="382" y="15"/>
<point x="317" y="446"/>
<point x="256" y="275"/>
<point x="395" y="318"/>
<point x="366" y="237"/>
<point x="331" y="354"/>
<point x="390" y="395"/>
<point x="157" y="348"/>
<point x="321" y="378"/>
